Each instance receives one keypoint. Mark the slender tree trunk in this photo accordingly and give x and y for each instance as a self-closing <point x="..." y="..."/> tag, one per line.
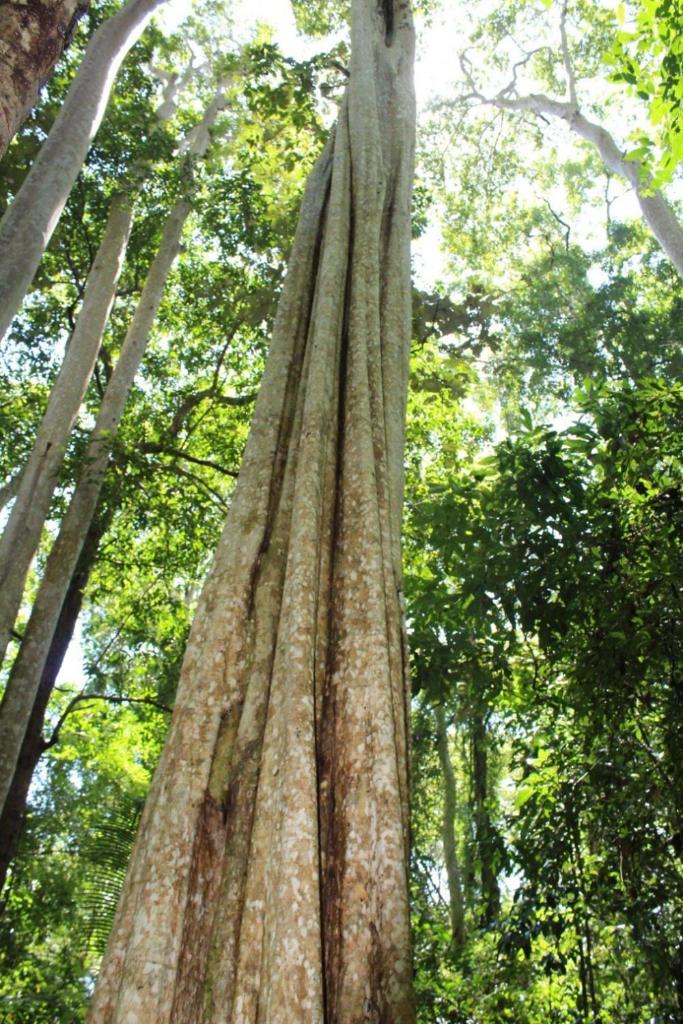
<point x="269" y="877"/>
<point x="21" y="536"/>
<point x="32" y="37"/>
<point x="27" y="669"/>
<point x="14" y="812"/>
<point x="490" y="891"/>
<point x="456" y="903"/>
<point x="582" y="916"/>
<point x="27" y="226"/>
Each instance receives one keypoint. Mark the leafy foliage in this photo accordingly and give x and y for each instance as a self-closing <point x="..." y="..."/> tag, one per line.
<point x="647" y="56"/>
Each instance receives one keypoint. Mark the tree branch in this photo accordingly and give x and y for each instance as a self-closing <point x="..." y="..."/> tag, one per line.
<point x="202" y="484"/>
<point x="192" y="401"/>
<point x="563" y="223"/>
<point x="157" y="448"/>
<point x="566" y="59"/>
<point x="655" y="209"/>
<point x="80" y="698"/>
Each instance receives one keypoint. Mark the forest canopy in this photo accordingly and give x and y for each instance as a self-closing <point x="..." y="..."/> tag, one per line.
<point x="542" y="524"/>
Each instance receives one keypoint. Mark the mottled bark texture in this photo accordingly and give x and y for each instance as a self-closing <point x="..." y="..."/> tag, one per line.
<point x="268" y="881"/>
<point x="33" y="34"/>
<point x="21" y="536"/>
<point x="29" y="221"/>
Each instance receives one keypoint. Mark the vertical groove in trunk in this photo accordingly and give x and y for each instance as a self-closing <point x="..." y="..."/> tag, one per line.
<point x="14" y="812"/>
<point x="456" y="903"/>
<point x="269" y="878"/>
<point x="32" y="38"/>
<point x="28" y="223"/>
<point x="21" y="535"/>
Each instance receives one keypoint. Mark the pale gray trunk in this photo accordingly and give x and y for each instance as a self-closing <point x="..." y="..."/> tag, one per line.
<point x="24" y="679"/>
<point x="27" y="226"/>
<point x="456" y="904"/>
<point x="269" y="878"/>
<point x="32" y="37"/>
<point x="21" y="536"/>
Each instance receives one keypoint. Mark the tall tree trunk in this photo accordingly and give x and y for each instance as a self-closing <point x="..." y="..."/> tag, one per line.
<point x="485" y="832"/>
<point x="269" y="877"/>
<point x="27" y="226"/>
<point x="21" y="535"/>
<point x="32" y="38"/>
<point x="456" y="903"/>
<point x="14" y="812"/>
<point x="27" y="669"/>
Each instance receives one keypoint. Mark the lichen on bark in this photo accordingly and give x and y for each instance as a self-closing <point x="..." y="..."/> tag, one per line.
<point x="269" y="878"/>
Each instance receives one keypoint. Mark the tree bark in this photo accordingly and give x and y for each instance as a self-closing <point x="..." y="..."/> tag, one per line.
<point x="27" y="226"/>
<point x="36" y="483"/>
<point x="10" y="488"/>
<point x="456" y="904"/>
<point x="32" y="38"/>
<point x="14" y="812"/>
<point x="21" y="535"/>
<point x="269" y="877"/>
